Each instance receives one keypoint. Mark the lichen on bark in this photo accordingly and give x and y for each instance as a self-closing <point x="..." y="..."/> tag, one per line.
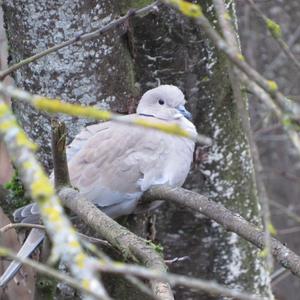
<point x="95" y="72"/>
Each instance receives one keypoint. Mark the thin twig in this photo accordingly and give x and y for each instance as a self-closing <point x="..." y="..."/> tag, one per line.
<point x="80" y="38"/>
<point x="94" y="240"/>
<point x="20" y="225"/>
<point x="267" y="100"/>
<point x="210" y="287"/>
<point x="276" y="33"/>
<point x="177" y="259"/>
<point x="278" y="275"/>
<point x="234" y="56"/>
<point x="291" y="230"/>
<point x="285" y="210"/>
<point x="28" y="225"/>
<point x="277" y="61"/>
<point x="43" y="269"/>
<point x="135" y="281"/>
<point x="264" y="130"/>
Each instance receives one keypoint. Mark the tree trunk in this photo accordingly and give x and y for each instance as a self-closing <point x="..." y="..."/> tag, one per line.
<point x="107" y="71"/>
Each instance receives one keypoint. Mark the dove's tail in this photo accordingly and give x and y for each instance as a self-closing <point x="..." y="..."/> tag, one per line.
<point x="33" y="240"/>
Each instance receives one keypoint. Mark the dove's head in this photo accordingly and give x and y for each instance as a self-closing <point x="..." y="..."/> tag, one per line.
<point x="164" y="102"/>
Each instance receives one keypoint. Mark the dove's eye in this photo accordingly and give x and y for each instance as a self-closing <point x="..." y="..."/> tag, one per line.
<point x="161" y="102"/>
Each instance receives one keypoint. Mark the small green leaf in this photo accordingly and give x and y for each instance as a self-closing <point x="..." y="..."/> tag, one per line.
<point x="274" y="28"/>
<point x="272" y="229"/>
<point x="272" y="85"/>
<point x="263" y="253"/>
<point x="157" y="247"/>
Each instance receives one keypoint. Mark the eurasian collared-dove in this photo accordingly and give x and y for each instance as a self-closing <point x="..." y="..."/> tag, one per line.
<point x="112" y="164"/>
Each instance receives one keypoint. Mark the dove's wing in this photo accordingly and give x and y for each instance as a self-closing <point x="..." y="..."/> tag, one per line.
<point x="27" y="214"/>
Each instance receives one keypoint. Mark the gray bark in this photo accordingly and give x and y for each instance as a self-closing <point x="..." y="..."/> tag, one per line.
<point x="107" y="71"/>
<point x="97" y="72"/>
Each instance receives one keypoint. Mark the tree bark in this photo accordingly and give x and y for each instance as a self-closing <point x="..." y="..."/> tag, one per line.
<point x="112" y="71"/>
<point x="96" y="72"/>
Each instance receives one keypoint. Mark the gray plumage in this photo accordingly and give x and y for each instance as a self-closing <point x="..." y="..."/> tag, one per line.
<point x="113" y="164"/>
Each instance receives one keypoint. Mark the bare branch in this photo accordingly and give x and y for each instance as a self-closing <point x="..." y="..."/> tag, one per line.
<point x="58" y="144"/>
<point x="177" y="259"/>
<point x="57" y="106"/>
<point x="136" y="248"/>
<point x="287" y="211"/>
<point x="266" y="90"/>
<point x="133" y="280"/>
<point x="282" y="116"/>
<point x="20" y="225"/>
<point x="229" y="220"/>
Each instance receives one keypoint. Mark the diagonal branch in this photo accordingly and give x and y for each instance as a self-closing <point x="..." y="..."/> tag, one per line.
<point x="61" y="179"/>
<point x="229" y="220"/>
<point x="276" y="33"/>
<point x="210" y="287"/>
<point x="194" y="12"/>
<point x="130" y="245"/>
<point x="80" y="38"/>
<point x="134" y="247"/>
<point x="46" y="270"/>
<point x="57" y="106"/>
<point x="266" y="90"/>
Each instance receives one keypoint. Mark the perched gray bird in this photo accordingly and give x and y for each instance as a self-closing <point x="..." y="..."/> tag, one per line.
<point x="112" y="164"/>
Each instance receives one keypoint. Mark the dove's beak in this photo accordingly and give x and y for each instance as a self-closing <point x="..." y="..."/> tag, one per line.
<point x="184" y="112"/>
